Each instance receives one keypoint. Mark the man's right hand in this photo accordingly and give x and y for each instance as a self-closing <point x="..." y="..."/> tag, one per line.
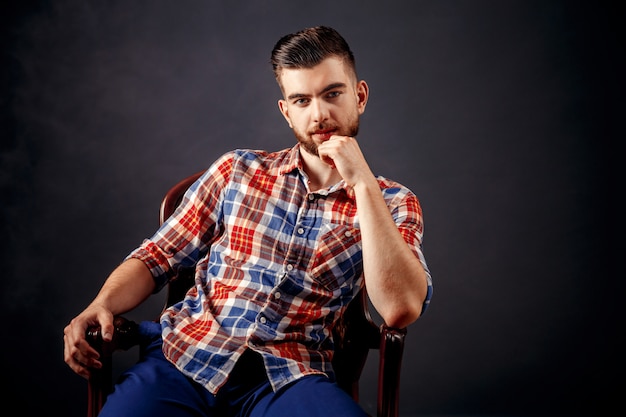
<point x="77" y="352"/>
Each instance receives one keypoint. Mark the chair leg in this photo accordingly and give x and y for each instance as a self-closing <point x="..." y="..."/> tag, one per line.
<point x="391" y="350"/>
<point x="98" y="387"/>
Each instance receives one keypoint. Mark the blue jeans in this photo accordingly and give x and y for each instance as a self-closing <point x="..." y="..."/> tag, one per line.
<point x="154" y="387"/>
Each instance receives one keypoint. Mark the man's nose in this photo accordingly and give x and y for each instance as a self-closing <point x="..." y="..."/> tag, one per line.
<point x="319" y="111"/>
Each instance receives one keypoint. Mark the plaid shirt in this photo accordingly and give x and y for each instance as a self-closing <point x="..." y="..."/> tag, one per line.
<point x="275" y="266"/>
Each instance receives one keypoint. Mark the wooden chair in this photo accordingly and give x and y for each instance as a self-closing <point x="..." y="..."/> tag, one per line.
<point x="355" y="334"/>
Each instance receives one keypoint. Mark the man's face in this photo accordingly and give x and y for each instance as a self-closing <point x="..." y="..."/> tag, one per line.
<point x="322" y="101"/>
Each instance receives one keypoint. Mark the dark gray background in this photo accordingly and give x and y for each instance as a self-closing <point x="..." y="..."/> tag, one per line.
<point x="502" y="116"/>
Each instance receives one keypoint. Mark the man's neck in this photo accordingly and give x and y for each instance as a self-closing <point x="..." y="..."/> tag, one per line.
<point x="321" y="175"/>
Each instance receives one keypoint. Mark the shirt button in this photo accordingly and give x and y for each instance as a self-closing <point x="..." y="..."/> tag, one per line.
<point x="262" y="319"/>
<point x="289" y="267"/>
<point x="348" y="234"/>
<point x="300" y="230"/>
<point x="277" y="295"/>
<point x="311" y="197"/>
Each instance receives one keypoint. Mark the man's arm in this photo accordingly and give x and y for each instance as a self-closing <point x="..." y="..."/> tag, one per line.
<point x="127" y="287"/>
<point x="396" y="281"/>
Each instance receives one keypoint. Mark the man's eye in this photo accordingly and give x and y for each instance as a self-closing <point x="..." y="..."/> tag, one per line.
<point x="333" y="94"/>
<point x="301" y="101"/>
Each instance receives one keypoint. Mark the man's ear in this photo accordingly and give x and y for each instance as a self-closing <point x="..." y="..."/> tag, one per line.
<point x="282" y="106"/>
<point x="362" y="94"/>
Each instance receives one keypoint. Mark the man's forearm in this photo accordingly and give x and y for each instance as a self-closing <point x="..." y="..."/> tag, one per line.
<point x="395" y="279"/>
<point x="127" y="287"/>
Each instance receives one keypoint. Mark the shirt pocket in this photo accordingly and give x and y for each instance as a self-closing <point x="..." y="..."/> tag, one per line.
<point x="337" y="257"/>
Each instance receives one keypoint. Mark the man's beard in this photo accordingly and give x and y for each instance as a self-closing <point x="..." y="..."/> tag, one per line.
<point x="311" y="147"/>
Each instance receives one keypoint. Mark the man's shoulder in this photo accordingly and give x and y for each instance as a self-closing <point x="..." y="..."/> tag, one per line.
<point x="259" y="154"/>
<point x="261" y="159"/>
<point x="389" y="184"/>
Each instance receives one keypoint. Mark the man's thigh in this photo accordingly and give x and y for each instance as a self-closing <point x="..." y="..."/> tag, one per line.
<point x="310" y="396"/>
<point x="154" y="388"/>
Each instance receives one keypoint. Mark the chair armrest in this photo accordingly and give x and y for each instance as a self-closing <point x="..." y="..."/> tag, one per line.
<point x="125" y="336"/>
<point x="391" y="350"/>
<point x="100" y="384"/>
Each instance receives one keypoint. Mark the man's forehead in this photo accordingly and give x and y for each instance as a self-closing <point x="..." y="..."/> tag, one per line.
<point x="331" y="71"/>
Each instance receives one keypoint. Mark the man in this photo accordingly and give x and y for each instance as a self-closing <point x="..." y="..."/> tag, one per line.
<point x="281" y="243"/>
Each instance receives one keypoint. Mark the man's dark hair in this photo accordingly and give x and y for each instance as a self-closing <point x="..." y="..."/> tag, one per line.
<point x="309" y="47"/>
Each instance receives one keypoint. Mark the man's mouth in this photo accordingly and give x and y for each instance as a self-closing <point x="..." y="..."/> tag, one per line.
<point x="323" y="135"/>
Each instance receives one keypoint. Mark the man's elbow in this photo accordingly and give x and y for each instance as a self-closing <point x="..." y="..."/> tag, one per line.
<point x="402" y="316"/>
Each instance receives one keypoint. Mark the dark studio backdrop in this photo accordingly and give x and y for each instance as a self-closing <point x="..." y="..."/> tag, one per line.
<point x="502" y="116"/>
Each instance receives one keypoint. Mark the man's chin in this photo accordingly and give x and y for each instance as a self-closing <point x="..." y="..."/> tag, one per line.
<point x="309" y="147"/>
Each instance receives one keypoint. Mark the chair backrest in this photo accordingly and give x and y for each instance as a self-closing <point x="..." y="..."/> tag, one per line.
<point x="355" y="334"/>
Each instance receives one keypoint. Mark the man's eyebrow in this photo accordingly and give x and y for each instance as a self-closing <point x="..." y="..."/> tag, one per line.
<point x="333" y="86"/>
<point x="326" y="89"/>
<point x="297" y="95"/>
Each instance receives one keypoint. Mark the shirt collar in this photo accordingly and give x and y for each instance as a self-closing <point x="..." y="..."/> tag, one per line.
<point x="291" y="161"/>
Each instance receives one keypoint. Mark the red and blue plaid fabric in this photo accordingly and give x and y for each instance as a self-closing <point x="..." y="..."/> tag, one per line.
<point x="275" y="265"/>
